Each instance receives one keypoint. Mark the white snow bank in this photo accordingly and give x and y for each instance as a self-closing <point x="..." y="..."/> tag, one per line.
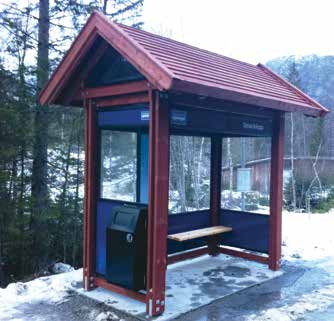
<point x="307" y="236"/>
<point x="50" y="289"/>
<point x="61" y="268"/>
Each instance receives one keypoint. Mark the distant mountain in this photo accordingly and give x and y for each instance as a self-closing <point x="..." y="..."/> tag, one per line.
<point x="316" y="75"/>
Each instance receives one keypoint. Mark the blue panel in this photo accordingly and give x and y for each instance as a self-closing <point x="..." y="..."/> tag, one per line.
<point x="250" y="231"/>
<point x="144" y="168"/>
<point x="127" y="117"/>
<point x="103" y="219"/>
<point x="182" y="222"/>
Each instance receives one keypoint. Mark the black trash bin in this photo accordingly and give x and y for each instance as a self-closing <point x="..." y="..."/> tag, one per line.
<point x="127" y="247"/>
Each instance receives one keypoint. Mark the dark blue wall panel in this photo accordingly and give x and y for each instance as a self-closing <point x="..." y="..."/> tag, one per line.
<point x="182" y="222"/>
<point x="250" y="231"/>
<point x="103" y="219"/>
<point x="210" y="121"/>
<point x="125" y="117"/>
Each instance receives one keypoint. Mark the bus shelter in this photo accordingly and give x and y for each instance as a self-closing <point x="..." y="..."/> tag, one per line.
<point x="140" y="91"/>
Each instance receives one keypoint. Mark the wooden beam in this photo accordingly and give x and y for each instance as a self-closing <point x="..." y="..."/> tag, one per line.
<point x="187" y="255"/>
<point x="215" y="190"/>
<point x="85" y="281"/>
<point x="116" y="90"/>
<point x="244" y="255"/>
<point x="90" y="196"/>
<point x="276" y="192"/>
<point x="123" y="100"/>
<point x="101" y="282"/>
<point x="159" y="212"/>
<point x="151" y="168"/>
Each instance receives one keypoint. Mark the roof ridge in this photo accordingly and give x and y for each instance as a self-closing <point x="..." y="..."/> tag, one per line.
<point x="297" y="91"/>
<point x="119" y="28"/>
<point x="185" y="44"/>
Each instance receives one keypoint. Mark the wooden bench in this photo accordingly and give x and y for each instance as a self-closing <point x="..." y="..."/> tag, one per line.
<point x="208" y="231"/>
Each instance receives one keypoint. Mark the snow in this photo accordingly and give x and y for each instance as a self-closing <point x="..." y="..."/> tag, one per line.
<point x="194" y="283"/>
<point x="307" y="236"/>
<point x="61" y="268"/>
<point x="308" y="240"/>
<point x="106" y="316"/>
<point x="50" y="289"/>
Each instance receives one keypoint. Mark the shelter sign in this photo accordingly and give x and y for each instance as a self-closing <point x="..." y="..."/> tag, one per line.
<point x="244" y="179"/>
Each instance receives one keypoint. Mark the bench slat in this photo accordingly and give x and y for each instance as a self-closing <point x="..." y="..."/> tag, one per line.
<point x="189" y="235"/>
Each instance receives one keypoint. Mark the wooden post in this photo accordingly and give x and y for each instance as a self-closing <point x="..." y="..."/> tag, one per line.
<point x="158" y="203"/>
<point x="90" y="197"/>
<point x="276" y="191"/>
<point x="215" y="190"/>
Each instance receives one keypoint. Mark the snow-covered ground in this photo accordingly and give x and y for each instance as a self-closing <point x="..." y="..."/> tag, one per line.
<point x="308" y="236"/>
<point x="308" y="241"/>
<point x="50" y="289"/>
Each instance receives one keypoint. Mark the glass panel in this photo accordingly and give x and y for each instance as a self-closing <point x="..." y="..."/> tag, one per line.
<point x="189" y="174"/>
<point x="246" y="174"/>
<point x="118" y="165"/>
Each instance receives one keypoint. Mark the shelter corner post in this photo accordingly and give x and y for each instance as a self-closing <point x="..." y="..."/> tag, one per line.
<point x="276" y="191"/>
<point x="158" y="202"/>
<point x="89" y="201"/>
<point x="215" y="191"/>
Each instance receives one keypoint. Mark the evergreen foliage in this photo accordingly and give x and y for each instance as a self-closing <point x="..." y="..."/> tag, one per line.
<point x="41" y="147"/>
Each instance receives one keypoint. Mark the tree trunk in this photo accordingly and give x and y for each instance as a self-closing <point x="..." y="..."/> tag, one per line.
<point x="292" y="162"/>
<point x="105" y="4"/>
<point x="39" y="170"/>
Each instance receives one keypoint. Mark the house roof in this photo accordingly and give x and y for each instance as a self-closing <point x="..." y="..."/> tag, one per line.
<point x="174" y="66"/>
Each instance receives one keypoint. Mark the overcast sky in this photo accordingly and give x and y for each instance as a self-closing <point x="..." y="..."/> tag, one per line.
<point x="249" y="30"/>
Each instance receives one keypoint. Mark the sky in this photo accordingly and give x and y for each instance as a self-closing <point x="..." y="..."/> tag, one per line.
<point x="249" y="30"/>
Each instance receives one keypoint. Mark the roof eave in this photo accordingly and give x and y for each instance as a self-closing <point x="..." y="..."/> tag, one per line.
<point x="240" y="96"/>
<point x="322" y="110"/>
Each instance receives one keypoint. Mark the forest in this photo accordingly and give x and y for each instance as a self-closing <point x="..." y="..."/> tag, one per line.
<point x="41" y="150"/>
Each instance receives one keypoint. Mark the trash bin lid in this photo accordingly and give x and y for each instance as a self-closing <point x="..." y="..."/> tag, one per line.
<point x="125" y="218"/>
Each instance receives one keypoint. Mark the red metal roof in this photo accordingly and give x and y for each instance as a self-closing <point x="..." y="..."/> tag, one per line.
<point x="172" y="65"/>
